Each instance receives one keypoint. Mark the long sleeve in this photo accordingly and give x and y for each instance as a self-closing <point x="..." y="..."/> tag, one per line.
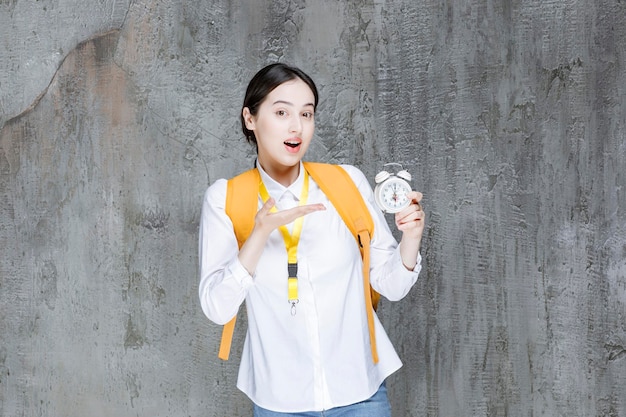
<point x="388" y="275"/>
<point x="224" y="282"/>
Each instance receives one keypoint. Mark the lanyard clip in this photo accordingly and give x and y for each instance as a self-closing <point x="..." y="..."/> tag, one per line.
<point x="292" y="296"/>
<point x="293" y="306"/>
<point x="292" y="270"/>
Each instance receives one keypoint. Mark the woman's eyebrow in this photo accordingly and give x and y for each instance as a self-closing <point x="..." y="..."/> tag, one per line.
<point x="288" y="103"/>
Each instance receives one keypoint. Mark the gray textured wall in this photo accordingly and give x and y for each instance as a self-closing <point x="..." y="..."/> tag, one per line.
<point x="115" y="115"/>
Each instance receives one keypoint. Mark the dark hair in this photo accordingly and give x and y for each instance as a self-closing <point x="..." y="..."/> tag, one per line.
<point x="263" y="82"/>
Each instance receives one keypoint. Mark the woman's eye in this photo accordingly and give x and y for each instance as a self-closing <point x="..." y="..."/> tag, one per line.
<point x="308" y="115"/>
<point x="281" y="113"/>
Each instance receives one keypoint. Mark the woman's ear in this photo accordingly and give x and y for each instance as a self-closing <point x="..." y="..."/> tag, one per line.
<point x="247" y="117"/>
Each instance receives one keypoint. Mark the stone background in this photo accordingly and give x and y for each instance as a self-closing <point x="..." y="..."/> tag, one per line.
<point x="115" y="115"/>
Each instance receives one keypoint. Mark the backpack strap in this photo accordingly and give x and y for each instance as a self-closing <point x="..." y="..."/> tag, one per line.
<point x="343" y="193"/>
<point x="241" y="206"/>
<point x="242" y="196"/>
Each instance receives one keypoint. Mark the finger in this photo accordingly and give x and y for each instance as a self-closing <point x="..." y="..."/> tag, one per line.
<point x="409" y="210"/>
<point x="410" y="216"/>
<point x="289" y="215"/>
<point x="267" y="206"/>
<point x="307" y="209"/>
<point x="409" y="221"/>
<point x="415" y="196"/>
<point x="413" y="224"/>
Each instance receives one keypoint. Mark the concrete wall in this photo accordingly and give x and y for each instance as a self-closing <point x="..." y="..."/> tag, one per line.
<point x="511" y="116"/>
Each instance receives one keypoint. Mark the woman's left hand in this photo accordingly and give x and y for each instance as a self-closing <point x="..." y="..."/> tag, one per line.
<point x="410" y="222"/>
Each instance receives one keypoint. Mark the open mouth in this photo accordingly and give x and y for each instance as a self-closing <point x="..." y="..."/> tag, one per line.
<point x="292" y="144"/>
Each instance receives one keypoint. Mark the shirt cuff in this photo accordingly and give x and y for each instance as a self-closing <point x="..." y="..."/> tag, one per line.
<point x="241" y="275"/>
<point x="418" y="263"/>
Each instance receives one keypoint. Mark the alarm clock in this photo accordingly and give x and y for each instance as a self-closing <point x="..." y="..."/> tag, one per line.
<point x="391" y="190"/>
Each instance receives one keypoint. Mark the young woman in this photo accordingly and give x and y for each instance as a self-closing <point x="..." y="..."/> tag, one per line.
<point x="312" y="358"/>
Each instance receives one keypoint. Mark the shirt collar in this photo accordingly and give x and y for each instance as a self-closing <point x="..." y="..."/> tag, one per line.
<point x="276" y="189"/>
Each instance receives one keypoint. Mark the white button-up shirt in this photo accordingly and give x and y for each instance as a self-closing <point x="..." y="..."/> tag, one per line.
<point x="320" y="357"/>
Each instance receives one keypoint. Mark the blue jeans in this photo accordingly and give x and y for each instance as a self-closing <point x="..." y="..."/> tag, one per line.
<point x="375" y="406"/>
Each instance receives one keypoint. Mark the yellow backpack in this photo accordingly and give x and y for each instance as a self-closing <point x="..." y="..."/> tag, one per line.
<point x="241" y="206"/>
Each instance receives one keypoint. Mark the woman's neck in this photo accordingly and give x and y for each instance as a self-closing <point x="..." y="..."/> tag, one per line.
<point x="282" y="175"/>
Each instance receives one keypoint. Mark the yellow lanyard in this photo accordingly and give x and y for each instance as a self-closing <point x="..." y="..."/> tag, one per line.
<point x="291" y="242"/>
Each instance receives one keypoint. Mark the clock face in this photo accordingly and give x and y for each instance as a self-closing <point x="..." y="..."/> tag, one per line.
<point x="391" y="195"/>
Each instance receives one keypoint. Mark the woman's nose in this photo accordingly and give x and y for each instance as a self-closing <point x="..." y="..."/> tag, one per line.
<point x="295" y="124"/>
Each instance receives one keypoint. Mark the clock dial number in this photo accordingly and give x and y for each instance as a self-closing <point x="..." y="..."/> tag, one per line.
<point x="394" y="196"/>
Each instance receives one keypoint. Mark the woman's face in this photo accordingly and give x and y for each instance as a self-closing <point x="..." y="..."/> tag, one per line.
<point x="283" y="125"/>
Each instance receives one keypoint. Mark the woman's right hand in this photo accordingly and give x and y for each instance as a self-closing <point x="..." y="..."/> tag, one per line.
<point x="265" y="222"/>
